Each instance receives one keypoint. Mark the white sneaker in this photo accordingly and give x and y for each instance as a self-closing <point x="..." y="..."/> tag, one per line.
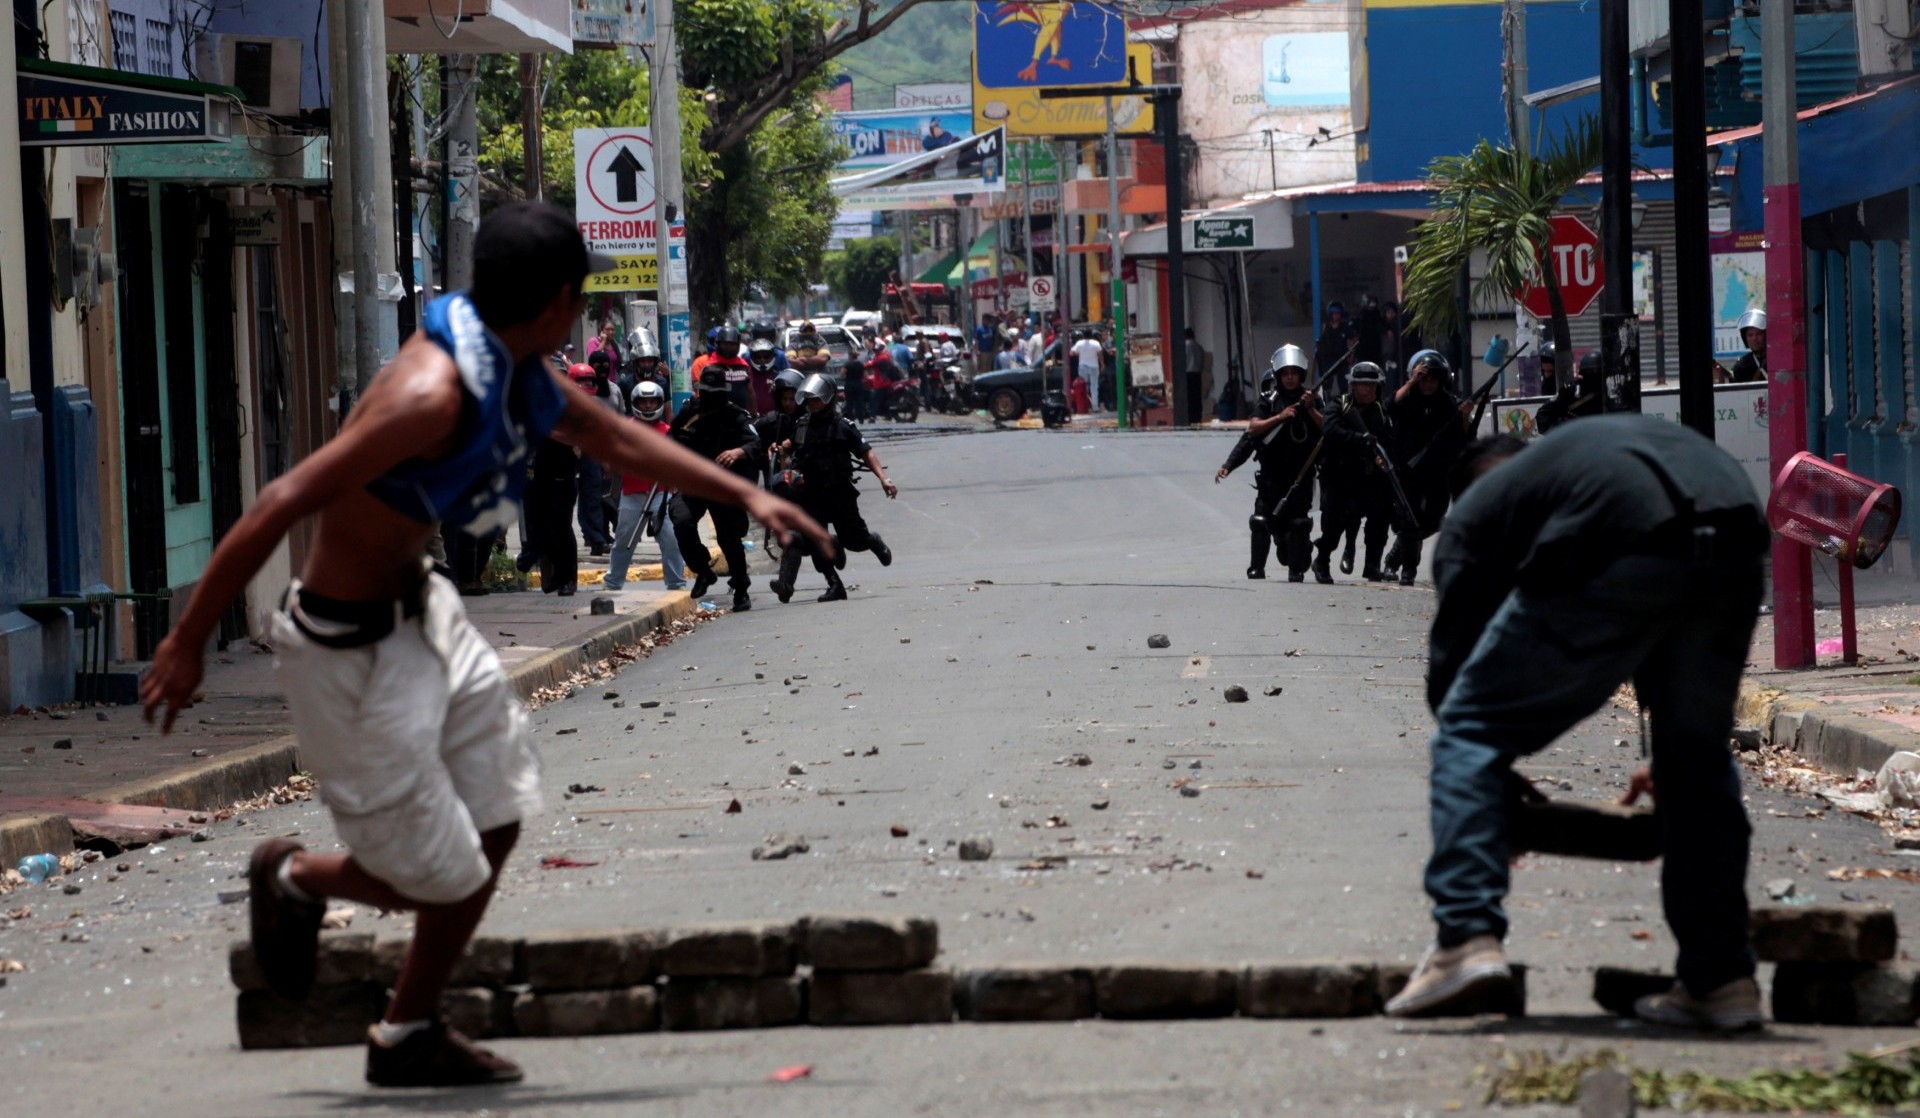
<point x="1448" y="975"/>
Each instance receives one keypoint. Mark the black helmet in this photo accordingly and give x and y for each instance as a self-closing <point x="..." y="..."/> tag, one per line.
<point x="1366" y="372"/>
<point x="726" y="334"/>
<point x="1431" y="359"/>
<point x="713" y="378"/>
<point x="1548" y="351"/>
<point x="817" y="387"/>
<point x="1590" y="365"/>
<point x="789" y="380"/>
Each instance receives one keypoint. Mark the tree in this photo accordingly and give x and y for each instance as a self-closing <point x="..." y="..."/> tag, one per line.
<point x="756" y="61"/>
<point x="1500" y="201"/>
<point x="859" y="273"/>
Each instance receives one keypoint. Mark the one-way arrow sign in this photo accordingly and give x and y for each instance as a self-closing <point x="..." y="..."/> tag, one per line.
<point x="626" y="171"/>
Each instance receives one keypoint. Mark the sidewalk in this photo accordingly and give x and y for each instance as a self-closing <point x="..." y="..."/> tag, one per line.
<point x="1842" y="717"/>
<point x="106" y="772"/>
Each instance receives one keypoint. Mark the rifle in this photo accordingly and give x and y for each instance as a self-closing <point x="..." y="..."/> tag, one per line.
<point x="1481" y="397"/>
<point x="1304" y="396"/>
<point x="1393" y="476"/>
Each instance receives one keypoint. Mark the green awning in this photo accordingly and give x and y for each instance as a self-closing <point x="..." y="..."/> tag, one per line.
<point x="941" y="272"/>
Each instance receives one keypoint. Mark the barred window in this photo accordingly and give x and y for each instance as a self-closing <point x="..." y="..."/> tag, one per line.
<point x="126" y="40"/>
<point x="159" y="48"/>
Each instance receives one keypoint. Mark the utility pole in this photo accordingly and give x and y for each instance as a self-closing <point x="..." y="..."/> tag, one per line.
<point x="1786" y="324"/>
<point x="1691" y="266"/>
<point x="463" y="170"/>
<point x="675" y="327"/>
<point x="1026" y="220"/>
<point x="1513" y="32"/>
<point x="531" y="133"/>
<point x="1619" y="326"/>
<point x="1166" y="106"/>
<point x="1116" y="301"/>
<point x="365" y="58"/>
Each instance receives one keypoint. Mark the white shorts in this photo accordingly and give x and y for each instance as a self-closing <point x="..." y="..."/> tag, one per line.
<point x="419" y="743"/>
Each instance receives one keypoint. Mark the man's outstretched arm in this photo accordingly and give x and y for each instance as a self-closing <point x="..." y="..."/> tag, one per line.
<point x="634" y="446"/>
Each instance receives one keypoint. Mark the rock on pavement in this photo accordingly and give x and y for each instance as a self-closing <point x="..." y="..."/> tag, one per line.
<point x="1824" y="934"/>
<point x="1843" y="994"/>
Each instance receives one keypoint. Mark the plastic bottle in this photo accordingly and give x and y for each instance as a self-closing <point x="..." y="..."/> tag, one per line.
<point x="38" y="867"/>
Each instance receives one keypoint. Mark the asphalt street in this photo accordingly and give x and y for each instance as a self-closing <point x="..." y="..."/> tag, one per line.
<point x="954" y="696"/>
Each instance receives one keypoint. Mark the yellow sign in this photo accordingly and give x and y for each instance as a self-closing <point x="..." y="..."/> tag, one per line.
<point x="1025" y="113"/>
<point x="635" y="273"/>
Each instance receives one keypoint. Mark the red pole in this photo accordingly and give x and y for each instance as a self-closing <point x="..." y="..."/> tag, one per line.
<point x="1849" y="633"/>
<point x="1786" y="357"/>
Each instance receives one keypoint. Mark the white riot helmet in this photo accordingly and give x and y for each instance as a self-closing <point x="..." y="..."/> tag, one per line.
<point x="640" y="343"/>
<point x="1753" y="319"/>
<point x="1289" y="357"/>
<point x="649" y="401"/>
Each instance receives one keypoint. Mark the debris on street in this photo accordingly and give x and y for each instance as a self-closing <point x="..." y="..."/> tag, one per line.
<point x="976" y="848"/>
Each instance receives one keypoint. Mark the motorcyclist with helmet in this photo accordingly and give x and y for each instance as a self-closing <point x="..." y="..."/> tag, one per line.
<point x="643" y="364"/>
<point x="1429" y="430"/>
<point x="1354" y="486"/>
<point x="719" y="429"/>
<point x="764" y="362"/>
<point x="1280" y="437"/>
<point x="1752" y="365"/>
<point x="827" y="449"/>
<point x="643" y="503"/>
<point x="733" y="365"/>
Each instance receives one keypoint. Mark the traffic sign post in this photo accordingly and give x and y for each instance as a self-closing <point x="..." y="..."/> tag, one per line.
<point x="613" y="201"/>
<point x="1574" y="255"/>
<point x="1040" y="294"/>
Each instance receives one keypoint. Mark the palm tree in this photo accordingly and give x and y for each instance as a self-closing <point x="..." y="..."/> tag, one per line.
<point x="1501" y="201"/>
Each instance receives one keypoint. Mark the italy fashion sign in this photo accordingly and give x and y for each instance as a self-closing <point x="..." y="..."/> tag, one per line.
<point x="63" y="105"/>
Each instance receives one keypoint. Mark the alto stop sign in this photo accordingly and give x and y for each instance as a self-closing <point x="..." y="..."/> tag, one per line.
<point x="1574" y="257"/>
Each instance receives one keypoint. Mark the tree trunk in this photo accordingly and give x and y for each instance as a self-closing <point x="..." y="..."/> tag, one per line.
<point x="1562" y="333"/>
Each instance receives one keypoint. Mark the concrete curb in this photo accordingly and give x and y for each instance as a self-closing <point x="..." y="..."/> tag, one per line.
<point x="212" y="784"/>
<point x="1837" y="737"/>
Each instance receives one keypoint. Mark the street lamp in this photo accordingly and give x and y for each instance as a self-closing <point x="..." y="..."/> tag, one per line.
<point x="1638" y="208"/>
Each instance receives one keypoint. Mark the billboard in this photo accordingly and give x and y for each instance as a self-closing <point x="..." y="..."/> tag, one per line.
<point x="1035" y="43"/>
<point x="883" y="137"/>
<point x="1024" y="112"/>
<point x="613" y="201"/>
<point x="932" y="180"/>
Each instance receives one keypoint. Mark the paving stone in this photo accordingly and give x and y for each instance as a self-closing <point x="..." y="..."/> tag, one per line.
<point x="868" y="942"/>
<point x="1024" y="993"/>
<point x="915" y="997"/>
<point x="330" y="1016"/>
<point x="1615" y="989"/>
<point x="1843" y="994"/>
<point x="489" y="961"/>
<point x="1824" y="933"/>
<point x="753" y="949"/>
<point x="1607" y="1093"/>
<point x="1310" y="990"/>
<point x="631" y="1009"/>
<point x="587" y="960"/>
<point x="1512" y="1002"/>
<point x="692" y="1004"/>
<point x="344" y="958"/>
<point x="1151" y="990"/>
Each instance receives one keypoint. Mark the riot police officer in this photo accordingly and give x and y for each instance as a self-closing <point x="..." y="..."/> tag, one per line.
<point x="1429" y="428"/>
<point x="1282" y="437"/>
<point x="1576" y="400"/>
<point x="1752" y="365"/>
<point x="716" y="428"/>
<point x="1354" y="486"/>
<point x="827" y="448"/>
<point x="1549" y="368"/>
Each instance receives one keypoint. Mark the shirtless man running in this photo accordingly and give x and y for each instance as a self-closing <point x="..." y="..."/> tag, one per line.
<point x="403" y="711"/>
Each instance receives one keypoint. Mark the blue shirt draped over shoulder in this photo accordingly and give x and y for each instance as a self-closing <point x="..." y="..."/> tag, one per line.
<point x="506" y="410"/>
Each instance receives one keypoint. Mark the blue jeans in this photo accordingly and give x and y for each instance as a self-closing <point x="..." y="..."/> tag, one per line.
<point x="633" y="513"/>
<point x="1546" y="661"/>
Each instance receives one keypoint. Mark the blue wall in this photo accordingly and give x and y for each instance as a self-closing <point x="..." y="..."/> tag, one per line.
<point x="1434" y="80"/>
<point x="298" y="19"/>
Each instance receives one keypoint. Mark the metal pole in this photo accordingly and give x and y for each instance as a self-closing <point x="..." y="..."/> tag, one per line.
<point x="1026" y="221"/>
<point x="365" y="131"/>
<point x="675" y="328"/>
<point x="1786" y="328"/>
<point x="1117" y="314"/>
<point x="1514" y="21"/>
<point x="1167" y="107"/>
<point x="1692" y="270"/>
<point x="1619" y="325"/>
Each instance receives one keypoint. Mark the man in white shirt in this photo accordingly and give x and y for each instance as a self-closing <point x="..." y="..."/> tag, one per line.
<point x="1087" y="352"/>
<point x="1036" y="344"/>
